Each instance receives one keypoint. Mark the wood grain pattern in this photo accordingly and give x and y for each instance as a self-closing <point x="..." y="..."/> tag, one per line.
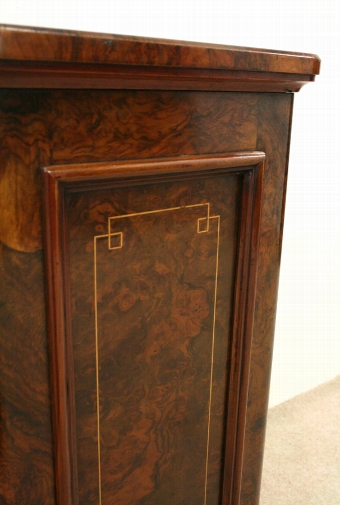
<point x="274" y="126"/>
<point x="26" y="462"/>
<point x="46" y="125"/>
<point x="25" y="43"/>
<point x="143" y="421"/>
<point x="24" y="146"/>
<point x="39" y="126"/>
<point x="155" y="316"/>
<point x="98" y="76"/>
<point x="130" y="124"/>
<point x="43" y="128"/>
<point x="36" y="57"/>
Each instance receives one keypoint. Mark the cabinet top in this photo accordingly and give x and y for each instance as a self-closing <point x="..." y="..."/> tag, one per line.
<point x="45" y="57"/>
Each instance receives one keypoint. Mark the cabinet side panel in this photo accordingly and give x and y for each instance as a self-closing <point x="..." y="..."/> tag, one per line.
<point x="149" y="299"/>
<point x="26" y="455"/>
<point x="161" y="338"/>
<point x="25" y="145"/>
<point x="273" y="138"/>
<point x="40" y="127"/>
<point x="26" y="466"/>
<point x="106" y="125"/>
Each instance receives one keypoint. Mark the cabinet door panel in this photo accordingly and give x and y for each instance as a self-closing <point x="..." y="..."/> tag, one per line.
<point x="151" y="271"/>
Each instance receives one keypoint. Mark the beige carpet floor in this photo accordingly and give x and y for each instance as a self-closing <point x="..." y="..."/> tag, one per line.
<point x="302" y="453"/>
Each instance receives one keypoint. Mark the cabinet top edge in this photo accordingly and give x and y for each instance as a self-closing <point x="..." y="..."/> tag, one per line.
<point x="28" y="44"/>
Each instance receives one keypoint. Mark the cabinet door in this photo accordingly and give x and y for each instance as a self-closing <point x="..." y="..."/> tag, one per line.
<point x="151" y="273"/>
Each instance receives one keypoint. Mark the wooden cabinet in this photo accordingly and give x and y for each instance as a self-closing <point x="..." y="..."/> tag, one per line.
<point x="142" y="195"/>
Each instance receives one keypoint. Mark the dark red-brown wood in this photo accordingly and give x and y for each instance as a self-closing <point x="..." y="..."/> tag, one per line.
<point x="90" y="76"/>
<point x="39" y="58"/>
<point x="155" y="113"/>
<point x="275" y="135"/>
<point x="96" y="179"/>
<point x="39" y="44"/>
<point x="39" y="128"/>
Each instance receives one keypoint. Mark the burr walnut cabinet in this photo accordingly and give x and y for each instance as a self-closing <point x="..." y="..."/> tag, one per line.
<point x="142" y="196"/>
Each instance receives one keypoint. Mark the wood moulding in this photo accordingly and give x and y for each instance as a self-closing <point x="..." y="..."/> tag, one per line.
<point x="62" y="181"/>
<point x="41" y="58"/>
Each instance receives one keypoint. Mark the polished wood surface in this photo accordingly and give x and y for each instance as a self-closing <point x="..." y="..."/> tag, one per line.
<point x="273" y="137"/>
<point x="67" y="76"/>
<point x="39" y="44"/>
<point x="73" y="160"/>
<point x="36" y="57"/>
<point x="44" y="127"/>
<point x="170" y="284"/>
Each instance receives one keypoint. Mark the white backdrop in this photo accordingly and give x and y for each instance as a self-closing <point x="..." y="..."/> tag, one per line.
<point x="307" y="341"/>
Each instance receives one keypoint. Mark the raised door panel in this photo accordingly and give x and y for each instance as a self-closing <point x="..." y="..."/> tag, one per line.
<point x="151" y="270"/>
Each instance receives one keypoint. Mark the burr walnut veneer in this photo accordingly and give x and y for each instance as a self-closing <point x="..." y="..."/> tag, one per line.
<point x="142" y="187"/>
